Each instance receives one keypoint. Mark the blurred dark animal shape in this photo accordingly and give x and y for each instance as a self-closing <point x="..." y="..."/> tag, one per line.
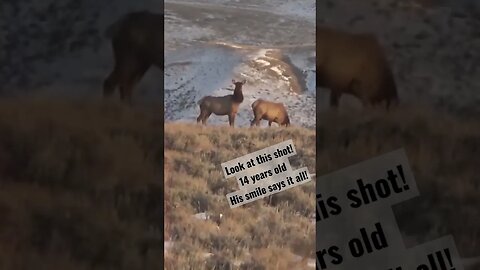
<point x="355" y="64"/>
<point x="137" y="42"/>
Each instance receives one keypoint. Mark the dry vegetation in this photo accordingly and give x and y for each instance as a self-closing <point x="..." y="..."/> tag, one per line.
<point x="443" y="151"/>
<point x="259" y="235"/>
<point x="81" y="187"/>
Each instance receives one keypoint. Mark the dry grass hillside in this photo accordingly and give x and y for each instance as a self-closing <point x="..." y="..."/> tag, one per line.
<point x="443" y="151"/>
<point x="266" y="234"/>
<point x="81" y="186"/>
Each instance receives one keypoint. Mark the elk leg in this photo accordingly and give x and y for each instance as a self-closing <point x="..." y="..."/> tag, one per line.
<point x="269" y="123"/>
<point x="141" y="68"/>
<point x="110" y="83"/>
<point x="127" y="78"/>
<point x="140" y="71"/>
<point x="256" y="121"/>
<point x="126" y="89"/>
<point x="131" y="69"/>
<point x="205" y="117"/>
<point x="231" y="119"/>
<point x="199" y="118"/>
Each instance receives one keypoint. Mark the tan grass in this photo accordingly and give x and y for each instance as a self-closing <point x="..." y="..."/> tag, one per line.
<point x="81" y="187"/>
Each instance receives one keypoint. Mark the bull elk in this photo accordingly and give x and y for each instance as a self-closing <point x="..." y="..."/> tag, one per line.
<point x="271" y="111"/>
<point x="137" y="42"/>
<point x="224" y="105"/>
<point x="355" y="64"/>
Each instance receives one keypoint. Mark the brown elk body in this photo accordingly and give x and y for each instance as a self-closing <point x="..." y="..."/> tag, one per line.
<point x="271" y="111"/>
<point x="224" y="105"/>
<point x="137" y="43"/>
<point x="355" y="64"/>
